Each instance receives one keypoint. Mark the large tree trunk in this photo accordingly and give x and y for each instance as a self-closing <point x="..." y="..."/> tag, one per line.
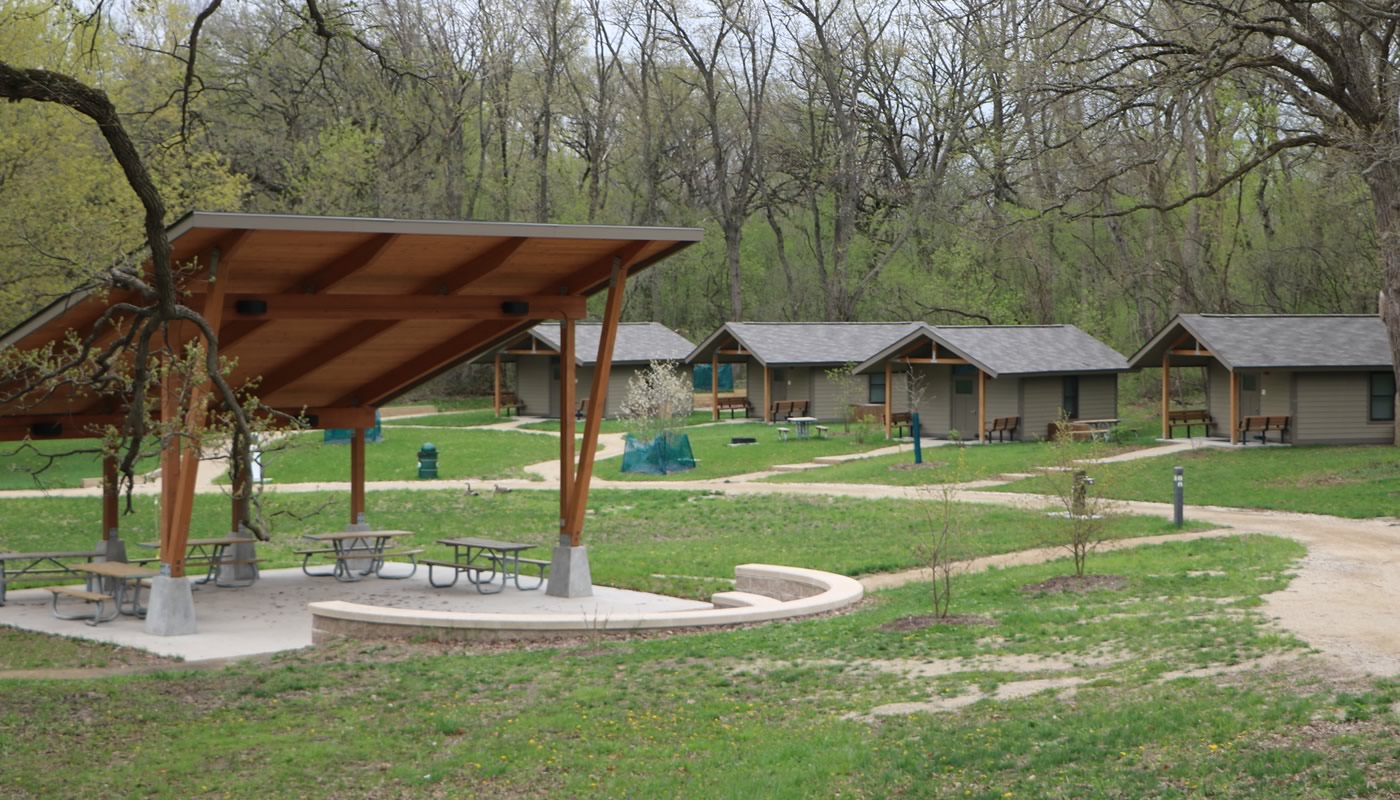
<point x="1384" y="182"/>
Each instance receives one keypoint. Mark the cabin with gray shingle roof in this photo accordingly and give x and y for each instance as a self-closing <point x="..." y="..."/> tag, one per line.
<point x="535" y="355"/>
<point x="790" y="360"/>
<point x="1330" y="374"/>
<point x="963" y="377"/>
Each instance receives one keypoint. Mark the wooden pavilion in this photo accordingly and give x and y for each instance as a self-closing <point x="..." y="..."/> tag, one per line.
<point x="334" y="317"/>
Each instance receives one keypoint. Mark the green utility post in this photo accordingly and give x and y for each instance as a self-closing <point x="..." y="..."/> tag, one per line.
<point x="427" y="462"/>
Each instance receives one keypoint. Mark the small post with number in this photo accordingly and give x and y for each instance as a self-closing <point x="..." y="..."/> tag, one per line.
<point x="1179" y="497"/>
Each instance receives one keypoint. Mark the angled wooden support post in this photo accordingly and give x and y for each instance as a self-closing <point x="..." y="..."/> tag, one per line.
<point x="567" y="335"/>
<point x="357" y="476"/>
<point x="767" y="394"/>
<point x="714" y="385"/>
<point x="597" y="400"/>
<point x="1166" y="395"/>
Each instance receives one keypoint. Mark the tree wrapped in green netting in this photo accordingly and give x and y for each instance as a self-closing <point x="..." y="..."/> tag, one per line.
<point x="659" y="399"/>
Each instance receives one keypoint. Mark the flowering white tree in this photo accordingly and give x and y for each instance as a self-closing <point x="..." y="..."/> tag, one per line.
<point x="659" y="399"/>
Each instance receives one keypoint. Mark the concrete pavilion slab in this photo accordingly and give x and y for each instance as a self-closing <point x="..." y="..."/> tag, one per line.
<point x="271" y="615"/>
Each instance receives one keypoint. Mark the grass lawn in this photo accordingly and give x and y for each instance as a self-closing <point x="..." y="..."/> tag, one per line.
<point x="632" y="535"/>
<point x="451" y="419"/>
<point x="715" y="458"/>
<point x="461" y="454"/>
<point x="946" y="464"/>
<point x="1345" y="481"/>
<point x="612" y="425"/>
<point x="21" y="467"/>
<point x="769" y="711"/>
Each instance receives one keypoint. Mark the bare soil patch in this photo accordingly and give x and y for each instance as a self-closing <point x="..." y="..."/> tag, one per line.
<point x="1076" y="584"/>
<point x="919" y="622"/>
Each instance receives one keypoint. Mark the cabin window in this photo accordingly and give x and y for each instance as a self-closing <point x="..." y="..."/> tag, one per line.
<point x="877" y="388"/>
<point x="1069" y="400"/>
<point x="1382" y="396"/>
<point x="1249" y="383"/>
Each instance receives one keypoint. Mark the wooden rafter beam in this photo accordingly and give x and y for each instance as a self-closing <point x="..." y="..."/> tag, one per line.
<point x="360" y="258"/>
<point x="375" y="390"/>
<point x="403" y="307"/>
<point x="472" y="270"/>
<point x="323" y="352"/>
<point x="43" y="427"/>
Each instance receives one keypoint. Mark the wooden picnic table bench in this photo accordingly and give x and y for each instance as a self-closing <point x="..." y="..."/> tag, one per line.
<point x="1189" y="417"/>
<point x="785" y="409"/>
<point x="899" y="420"/>
<point x="39" y="566"/>
<point x="733" y="404"/>
<point x="1002" y="427"/>
<point x="1262" y="425"/>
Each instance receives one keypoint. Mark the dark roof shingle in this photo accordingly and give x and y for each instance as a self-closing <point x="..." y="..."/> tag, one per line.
<point x="814" y="343"/>
<point x="1267" y="341"/>
<point x="1028" y="349"/>
<point x="637" y="342"/>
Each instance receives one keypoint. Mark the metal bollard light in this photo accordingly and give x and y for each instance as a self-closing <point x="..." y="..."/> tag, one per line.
<point x="427" y="462"/>
<point x="1179" y="496"/>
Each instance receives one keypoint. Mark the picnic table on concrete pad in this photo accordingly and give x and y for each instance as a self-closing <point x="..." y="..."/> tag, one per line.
<point x="475" y="556"/>
<point x="210" y="553"/>
<point x="35" y="566"/>
<point x="348" y="546"/>
<point x="117" y="578"/>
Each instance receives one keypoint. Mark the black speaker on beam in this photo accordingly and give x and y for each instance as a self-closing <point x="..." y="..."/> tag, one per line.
<point x="41" y="430"/>
<point x="250" y="307"/>
<point x="515" y="308"/>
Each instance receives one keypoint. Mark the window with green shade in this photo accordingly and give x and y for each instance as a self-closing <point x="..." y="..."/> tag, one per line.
<point x="1382" y="396"/>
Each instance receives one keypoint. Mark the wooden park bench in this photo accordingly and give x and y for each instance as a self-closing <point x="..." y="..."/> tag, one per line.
<point x="510" y="402"/>
<point x="1002" y="427"/>
<point x="17" y="567"/>
<point x="899" y="420"/>
<point x="786" y="409"/>
<point x="581" y="409"/>
<point x="1262" y="426"/>
<point x="1189" y="417"/>
<point x="733" y="404"/>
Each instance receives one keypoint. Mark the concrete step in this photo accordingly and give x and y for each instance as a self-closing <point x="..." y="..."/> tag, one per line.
<point x="797" y="467"/>
<point x="743" y="600"/>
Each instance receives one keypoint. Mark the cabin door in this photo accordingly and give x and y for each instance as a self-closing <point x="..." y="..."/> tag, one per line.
<point x="554" y="387"/>
<point x="965" y="401"/>
<point x="1249" y="394"/>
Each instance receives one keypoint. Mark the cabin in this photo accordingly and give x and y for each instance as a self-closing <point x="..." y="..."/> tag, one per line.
<point x="1010" y="382"/>
<point x="1307" y="378"/>
<point x="535" y="355"/>
<point x="787" y="362"/>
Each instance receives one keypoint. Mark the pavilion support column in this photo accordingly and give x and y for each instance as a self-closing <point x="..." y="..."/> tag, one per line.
<point x="889" y="398"/>
<point x="357" y="477"/>
<point x="714" y="385"/>
<point x="981" y="406"/>
<point x="1234" y="407"/>
<point x="111" y="545"/>
<point x="570" y="575"/>
<point x="1166" y="395"/>
<point x="567" y="335"/>
<point x="496" y="385"/>
<point x="767" y="394"/>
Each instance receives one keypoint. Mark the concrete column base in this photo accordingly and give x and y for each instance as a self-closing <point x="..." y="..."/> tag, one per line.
<point x="113" y="549"/>
<point x="569" y="575"/>
<point x="358" y="564"/>
<point x="170" y="611"/>
<point x="239" y="573"/>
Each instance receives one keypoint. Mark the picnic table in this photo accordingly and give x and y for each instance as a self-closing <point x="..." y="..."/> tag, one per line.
<point x="36" y="566"/>
<point x="477" y="556"/>
<point x="804" y="425"/>
<point x="115" y="579"/>
<point x="1099" y="429"/>
<point x="211" y="553"/>
<point x="369" y="548"/>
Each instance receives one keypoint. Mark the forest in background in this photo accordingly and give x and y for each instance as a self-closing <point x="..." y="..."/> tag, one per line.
<point x="878" y="161"/>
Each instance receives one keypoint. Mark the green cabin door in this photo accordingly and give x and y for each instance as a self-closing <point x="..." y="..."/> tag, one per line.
<point x="964" y="404"/>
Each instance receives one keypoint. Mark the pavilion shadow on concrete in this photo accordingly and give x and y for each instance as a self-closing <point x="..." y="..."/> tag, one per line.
<point x="334" y="317"/>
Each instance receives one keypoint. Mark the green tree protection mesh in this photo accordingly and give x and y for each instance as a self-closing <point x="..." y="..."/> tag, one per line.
<point x="667" y="453"/>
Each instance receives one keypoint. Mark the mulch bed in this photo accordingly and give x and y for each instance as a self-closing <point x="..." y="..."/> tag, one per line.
<point x="919" y="622"/>
<point x="908" y="465"/>
<point x="1077" y="584"/>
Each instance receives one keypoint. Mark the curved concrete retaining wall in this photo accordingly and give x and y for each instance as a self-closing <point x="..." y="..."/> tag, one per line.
<point x="764" y="592"/>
